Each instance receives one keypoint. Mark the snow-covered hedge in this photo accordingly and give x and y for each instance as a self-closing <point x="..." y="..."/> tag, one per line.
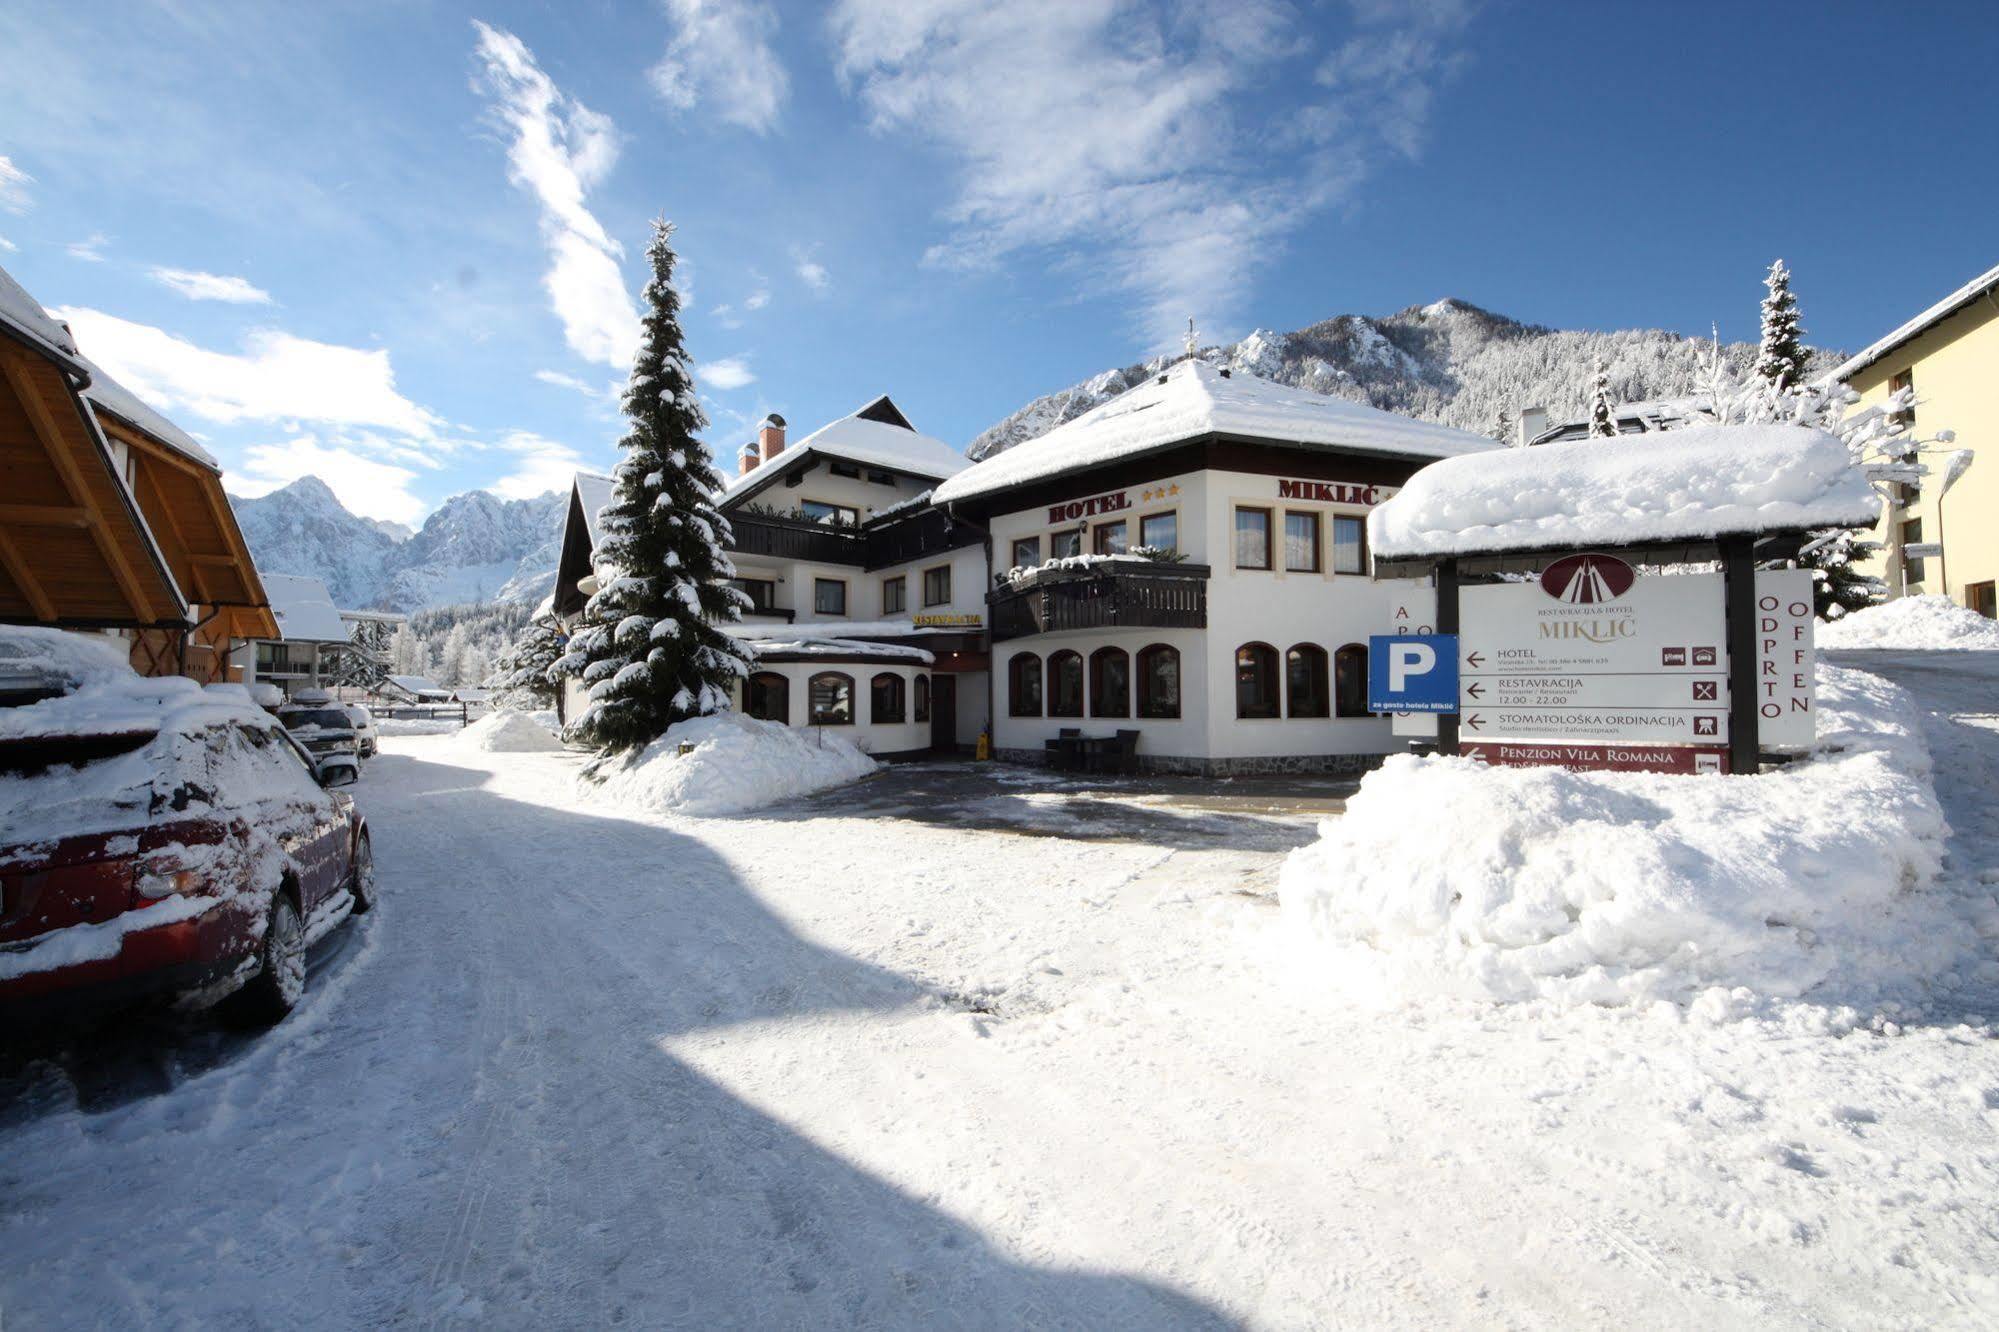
<point x="1445" y="877"/>
<point x="738" y="764"/>
<point x="1912" y="623"/>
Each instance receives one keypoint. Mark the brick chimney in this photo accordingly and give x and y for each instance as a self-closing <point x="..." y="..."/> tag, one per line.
<point x="770" y="437"/>
<point x="747" y="459"/>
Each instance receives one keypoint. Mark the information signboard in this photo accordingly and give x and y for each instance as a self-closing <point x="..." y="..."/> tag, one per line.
<point x="1786" y="712"/>
<point x="1412" y="609"/>
<point x="1591" y="653"/>
<point x="1412" y="673"/>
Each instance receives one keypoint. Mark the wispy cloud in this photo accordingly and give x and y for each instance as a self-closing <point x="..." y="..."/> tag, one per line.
<point x="559" y="149"/>
<point x="7" y="246"/>
<point x="720" y="54"/>
<point x="90" y="249"/>
<point x="732" y="315"/>
<point x="199" y="286"/>
<point x="542" y="465"/>
<point x="810" y="271"/>
<point x="731" y="372"/>
<point x="1134" y="145"/>
<point x="14" y="184"/>
<point x="363" y="485"/>
<point x="276" y="377"/>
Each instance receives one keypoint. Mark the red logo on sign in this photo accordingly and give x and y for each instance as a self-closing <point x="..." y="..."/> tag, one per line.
<point x="1587" y="579"/>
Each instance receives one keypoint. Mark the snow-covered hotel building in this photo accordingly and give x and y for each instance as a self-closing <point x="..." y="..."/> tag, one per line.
<point x="1187" y="562"/>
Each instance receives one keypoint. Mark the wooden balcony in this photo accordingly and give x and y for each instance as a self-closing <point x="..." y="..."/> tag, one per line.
<point x="796" y="539"/>
<point x="1103" y="596"/>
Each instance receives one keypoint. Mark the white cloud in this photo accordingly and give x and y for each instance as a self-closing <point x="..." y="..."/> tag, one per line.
<point x="759" y="298"/>
<point x="276" y="377"/>
<point x="199" y="286"/>
<point x="810" y="271"/>
<point x="720" y="53"/>
<point x="561" y="380"/>
<point x="1144" y="147"/>
<point x="731" y="372"/>
<point x="14" y="184"/>
<point x="90" y="249"/>
<point x="544" y="465"/>
<point x="559" y="150"/>
<point x="8" y="245"/>
<point x="364" y="485"/>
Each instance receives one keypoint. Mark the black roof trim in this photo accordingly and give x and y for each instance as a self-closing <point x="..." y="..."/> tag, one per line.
<point x="884" y="411"/>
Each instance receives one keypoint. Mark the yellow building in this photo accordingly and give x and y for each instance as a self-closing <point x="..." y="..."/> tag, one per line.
<point x="1950" y="354"/>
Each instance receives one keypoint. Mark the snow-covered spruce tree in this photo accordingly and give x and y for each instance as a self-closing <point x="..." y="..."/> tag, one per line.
<point x="1602" y="411"/>
<point x="1780" y="354"/>
<point x="1502" y="427"/>
<point x="522" y="671"/>
<point x="648" y="651"/>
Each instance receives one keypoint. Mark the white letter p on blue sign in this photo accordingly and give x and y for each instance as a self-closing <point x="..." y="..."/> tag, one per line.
<point x="1412" y="673"/>
<point x="1407" y="659"/>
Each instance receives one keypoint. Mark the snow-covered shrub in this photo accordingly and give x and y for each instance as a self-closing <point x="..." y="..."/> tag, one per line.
<point x="509" y="733"/>
<point x="1446" y="877"/>
<point x="737" y="763"/>
<point x="1912" y="623"/>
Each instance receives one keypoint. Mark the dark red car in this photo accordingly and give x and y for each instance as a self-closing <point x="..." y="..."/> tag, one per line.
<point x="158" y="838"/>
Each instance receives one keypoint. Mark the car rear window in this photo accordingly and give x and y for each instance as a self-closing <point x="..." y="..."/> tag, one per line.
<point x="331" y="718"/>
<point x="34" y="755"/>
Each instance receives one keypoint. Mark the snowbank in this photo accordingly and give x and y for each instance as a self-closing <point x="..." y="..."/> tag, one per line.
<point x="509" y="733"/>
<point x="1445" y="877"/>
<point x="738" y="764"/>
<point x="1682" y="485"/>
<point x="387" y="726"/>
<point x="1912" y="623"/>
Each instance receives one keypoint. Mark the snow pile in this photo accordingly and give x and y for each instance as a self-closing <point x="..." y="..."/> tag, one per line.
<point x="1446" y="877"/>
<point x="1684" y="485"/>
<point x="509" y="733"/>
<point x="1912" y="623"/>
<point x="399" y="726"/>
<point x="738" y="764"/>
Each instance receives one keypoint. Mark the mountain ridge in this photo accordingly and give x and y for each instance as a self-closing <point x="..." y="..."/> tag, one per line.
<point x="1449" y="361"/>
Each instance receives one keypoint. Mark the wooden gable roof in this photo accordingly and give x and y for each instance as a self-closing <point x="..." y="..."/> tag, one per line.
<point x="74" y="547"/>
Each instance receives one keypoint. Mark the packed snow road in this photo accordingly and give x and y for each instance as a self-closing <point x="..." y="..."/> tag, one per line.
<point x="841" y="1065"/>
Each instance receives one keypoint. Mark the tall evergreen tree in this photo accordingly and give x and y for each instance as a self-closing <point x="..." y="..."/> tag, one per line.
<point x="1602" y="411"/>
<point x="1502" y="427"/>
<point x="648" y="651"/>
<point x="522" y="670"/>
<point x="1780" y="355"/>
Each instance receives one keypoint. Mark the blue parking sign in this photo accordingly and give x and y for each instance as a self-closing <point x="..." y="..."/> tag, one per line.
<point x="1412" y="673"/>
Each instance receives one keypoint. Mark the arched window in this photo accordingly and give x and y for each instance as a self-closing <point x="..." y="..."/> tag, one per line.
<point x="1350" y="681"/>
<point x="922" y="699"/>
<point x="885" y="698"/>
<point x="831" y="697"/>
<point x="1159" y="681"/>
<point x="767" y="697"/>
<point x="1023" y="685"/>
<point x="1065" y="684"/>
<point x="1305" y="681"/>
<point x="1256" y="680"/>
<point x="1110" y="683"/>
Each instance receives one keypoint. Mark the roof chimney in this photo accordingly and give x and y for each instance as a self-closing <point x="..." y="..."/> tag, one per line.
<point x="1533" y="422"/>
<point x="770" y="437"/>
<point x="748" y="458"/>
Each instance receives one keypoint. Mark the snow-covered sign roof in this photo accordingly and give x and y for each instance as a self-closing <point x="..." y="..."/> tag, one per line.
<point x="594" y="492"/>
<point x="108" y="395"/>
<point x="25" y="315"/>
<point x="304" y="609"/>
<point x="1943" y="309"/>
<point x="1194" y="399"/>
<point x="417" y="684"/>
<point x="870" y="436"/>
<point x="1684" y="485"/>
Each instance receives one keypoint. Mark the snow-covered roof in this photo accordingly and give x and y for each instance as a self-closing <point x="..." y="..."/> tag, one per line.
<point x="417" y="684"/>
<point x="1943" y="309"/>
<point x="1693" y="484"/>
<point x="594" y="492"/>
<point x="107" y="394"/>
<point x="1194" y="399"/>
<point x="817" y="645"/>
<point x="304" y="609"/>
<point x="25" y="315"/>
<point x="863" y="438"/>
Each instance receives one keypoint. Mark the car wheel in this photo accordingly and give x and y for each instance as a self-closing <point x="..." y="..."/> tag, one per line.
<point x="361" y="881"/>
<point x="280" y="983"/>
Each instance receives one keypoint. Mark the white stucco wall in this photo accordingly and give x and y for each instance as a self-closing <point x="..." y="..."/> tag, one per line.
<point x="872" y="736"/>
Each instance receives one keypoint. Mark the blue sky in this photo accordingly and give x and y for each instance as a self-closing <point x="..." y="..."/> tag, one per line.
<point x="397" y="245"/>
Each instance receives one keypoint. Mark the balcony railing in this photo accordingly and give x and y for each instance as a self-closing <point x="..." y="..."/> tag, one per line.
<point x="1102" y="596"/>
<point x="796" y="539"/>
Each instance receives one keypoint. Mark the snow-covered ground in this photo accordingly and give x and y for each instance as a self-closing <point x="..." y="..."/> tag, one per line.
<point x="976" y="1048"/>
<point x="1912" y="623"/>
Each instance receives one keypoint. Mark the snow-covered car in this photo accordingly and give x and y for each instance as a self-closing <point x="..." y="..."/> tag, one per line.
<point x="326" y="730"/>
<point x="158" y="838"/>
<point x="367" y="741"/>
